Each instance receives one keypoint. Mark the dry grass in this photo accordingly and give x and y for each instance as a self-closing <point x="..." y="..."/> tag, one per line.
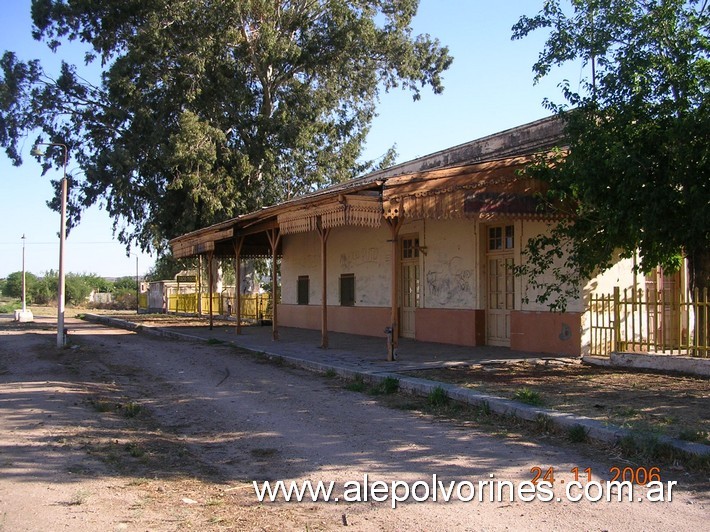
<point x="674" y="405"/>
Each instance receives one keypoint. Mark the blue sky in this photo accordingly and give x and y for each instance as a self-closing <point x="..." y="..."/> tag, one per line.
<point x="489" y="88"/>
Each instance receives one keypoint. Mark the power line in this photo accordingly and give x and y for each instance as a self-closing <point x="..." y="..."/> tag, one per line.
<point x="57" y="242"/>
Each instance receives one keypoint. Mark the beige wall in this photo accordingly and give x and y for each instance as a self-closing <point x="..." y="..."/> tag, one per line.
<point x="365" y="253"/>
<point x="362" y="252"/>
<point x="448" y="269"/>
<point x="301" y="256"/>
<point x="531" y="229"/>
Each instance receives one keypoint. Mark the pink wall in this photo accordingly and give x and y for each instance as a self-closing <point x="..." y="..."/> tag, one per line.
<point x="368" y="321"/>
<point x="546" y="332"/>
<point x="446" y="326"/>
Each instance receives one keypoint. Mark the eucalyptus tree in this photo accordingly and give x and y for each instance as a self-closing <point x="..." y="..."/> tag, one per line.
<point x="205" y="109"/>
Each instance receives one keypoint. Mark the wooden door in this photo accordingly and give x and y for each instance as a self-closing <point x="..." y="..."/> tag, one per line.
<point x="663" y="293"/>
<point x="500" y="285"/>
<point x="409" y="286"/>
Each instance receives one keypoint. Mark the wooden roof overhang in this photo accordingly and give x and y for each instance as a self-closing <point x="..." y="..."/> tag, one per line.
<point x="485" y="190"/>
<point x="204" y="240"/>
<point x="357" y="202"/>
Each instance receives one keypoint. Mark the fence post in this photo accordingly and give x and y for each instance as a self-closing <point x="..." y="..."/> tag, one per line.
<point x="617" y="320"/>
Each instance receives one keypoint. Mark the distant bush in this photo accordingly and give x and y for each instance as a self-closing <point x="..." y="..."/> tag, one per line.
<point x="43" y="290"/>
<point x="8" y="307"/>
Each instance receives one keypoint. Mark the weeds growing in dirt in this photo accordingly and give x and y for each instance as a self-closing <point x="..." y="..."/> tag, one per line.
<point x="263" y="452"/>
<point x="438" y="397"/>
<point x="357" y="384"/>
<point x="102" y="405"/>
<point x="544" y="424"/>
<point x="577" y="434"/>
<point x="528" y="396"/>
<point x="131" y="409"/>
<point x="134" y="450"/>
<point x="646" y="448"/>
<point x="79" y="498"/>
<point x="387" y="386"/>
<point x="698" y="436"/>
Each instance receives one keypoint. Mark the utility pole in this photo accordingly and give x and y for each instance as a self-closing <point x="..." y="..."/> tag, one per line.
<point x="61" y="336"/>
<point x="24" y="315"/>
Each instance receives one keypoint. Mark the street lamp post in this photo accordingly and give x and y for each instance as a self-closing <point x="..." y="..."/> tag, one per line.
<point x="61" y="337"/>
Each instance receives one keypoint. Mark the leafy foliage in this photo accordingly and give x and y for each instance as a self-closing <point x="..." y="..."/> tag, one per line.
<point x="125" y="284"/>
<point x="206" y="110"/>
<point x="13" y="284"/>
<point x="167" y="267"/>
<point x="637" y="170"/>
<point x="43" y="290"/>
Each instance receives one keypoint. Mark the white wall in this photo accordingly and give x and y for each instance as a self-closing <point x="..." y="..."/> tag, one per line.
<point x="621" y="274"/>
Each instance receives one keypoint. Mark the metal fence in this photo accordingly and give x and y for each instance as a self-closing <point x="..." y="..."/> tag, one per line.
<point x="649" y="321"/>
<point x="253" y="306"/>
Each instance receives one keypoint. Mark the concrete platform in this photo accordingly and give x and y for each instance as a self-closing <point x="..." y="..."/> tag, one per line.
<point x="365" y="353"/>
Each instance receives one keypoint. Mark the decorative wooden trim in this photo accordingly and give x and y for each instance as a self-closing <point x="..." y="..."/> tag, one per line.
<point x="362" y="211"/>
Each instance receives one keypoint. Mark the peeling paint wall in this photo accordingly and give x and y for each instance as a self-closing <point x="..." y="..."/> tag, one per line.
<point x="452" y="280"/>
<point x="363" y="252"/>
<point x="367" y="254"/>
<point x="301" y="256"/>
<point x="449" y="265"/>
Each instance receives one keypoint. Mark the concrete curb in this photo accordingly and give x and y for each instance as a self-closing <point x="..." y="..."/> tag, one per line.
<point x="673" y="363"/>
<point x="596" y="430"/>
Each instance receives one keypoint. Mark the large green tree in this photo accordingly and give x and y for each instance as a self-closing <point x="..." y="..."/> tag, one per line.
<point x="637" y="173"/>
<point x="207" y="109"/>
<point x="13" y="285"/>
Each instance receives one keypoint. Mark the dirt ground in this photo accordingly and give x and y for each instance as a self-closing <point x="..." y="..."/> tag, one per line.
<point x="624" y="398"/>
<point x="129" y="432"/>
<point x="674" y="405"/>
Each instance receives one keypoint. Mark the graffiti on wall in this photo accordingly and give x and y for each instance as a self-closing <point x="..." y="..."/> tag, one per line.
<point x="358" y="258"/>
<point x="449" y="283"/>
